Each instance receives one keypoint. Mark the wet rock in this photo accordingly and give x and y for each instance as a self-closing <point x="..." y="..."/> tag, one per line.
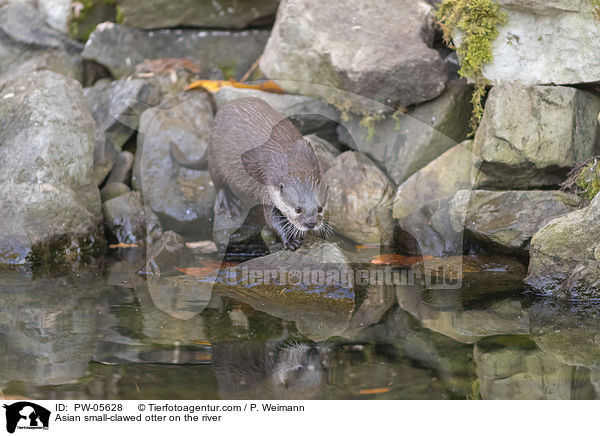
<point x="507" y="220"/>
<point x="120" y="48"/>
<point x="229" y="14"/>
<point x="564" y="260"/>
<point x="29" y="44"/>
<point x="511" y="367"/>
<point x="469" y="276"/>
<point x="116" y="107"/>
<point x="309" y="286"/>
<point x="405" y="143"/>
<point x="121" y="171"/>
<point x="112" y="190"/>
<point x="315" y="43"/>
<point x="359" y="196"/>
<point x="496" y="317"/>
<point x="51" y="208"/>
<point x="182" y="198"/>
<point x="308" y="114"/>
<point x="422" y="203"/>
<point x="167" y="253"/>
<point x="531" y="137"/>
<point x="126" y="219"/>
<point x="524" y="50"/>
<point x="202" y="247"/>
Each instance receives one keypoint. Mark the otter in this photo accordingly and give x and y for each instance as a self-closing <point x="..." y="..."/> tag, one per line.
<point x="256" y="153"/>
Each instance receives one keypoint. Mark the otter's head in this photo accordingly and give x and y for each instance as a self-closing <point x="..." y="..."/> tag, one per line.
<point x="303" y="203"/>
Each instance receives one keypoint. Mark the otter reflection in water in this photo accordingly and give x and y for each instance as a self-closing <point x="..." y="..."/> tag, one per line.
<point x="270" y="370"/>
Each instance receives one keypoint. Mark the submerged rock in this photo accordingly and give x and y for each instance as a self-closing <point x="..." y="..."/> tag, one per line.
<point x="405" y="143"/>
<point x="112" y="190"/>
<point x="564" y="255"/>
<point x="182" y="198"/>
<point x="359" y="199"/>
<point x="531" y="137"/>
<point x="229" y="14"/>
<point x="29" y="44"/>
<point x="316" y="43"/>
<point x="51" y="208"/>
<point x="120" y="48"/>
<point x="507" y="220"/>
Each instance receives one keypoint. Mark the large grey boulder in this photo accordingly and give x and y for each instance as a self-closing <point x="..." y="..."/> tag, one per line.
<point x="546" y="42"/>
<point x="50" y="204"/>
<point x="116" y="107"/>
<point x="422" y="202"/>
<point x="405" y="143"/>
<point x="182" y="198"/>
<point x="378" y="50"/>
<point x="565" y="258"/>
<point x="120" y="48"/>
<point x="507" y="220"/>
<point x="359" y="199"/>
<point x="229" y="14"/>
<point x="530" y="137"/>
<point x="29" y="44"/>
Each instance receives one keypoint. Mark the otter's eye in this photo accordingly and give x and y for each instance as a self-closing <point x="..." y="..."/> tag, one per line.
<point x="320" y="209"/>
<point x="298" y="209"/>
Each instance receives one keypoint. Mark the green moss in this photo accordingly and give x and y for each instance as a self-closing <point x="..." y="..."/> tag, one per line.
<point x="588" y="180"/>
<point x="119" y="17"/>
<point x="476" y="21"/>
<point x="596" y="6"/>
<point x="368" y="122"/>
<point x="89" y="16"/>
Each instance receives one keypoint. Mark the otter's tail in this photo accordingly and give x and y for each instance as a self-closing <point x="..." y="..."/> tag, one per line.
<point x="178" y="156"/>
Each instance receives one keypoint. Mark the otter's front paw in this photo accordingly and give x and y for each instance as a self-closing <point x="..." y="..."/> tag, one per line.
<point x="292" y="244"/>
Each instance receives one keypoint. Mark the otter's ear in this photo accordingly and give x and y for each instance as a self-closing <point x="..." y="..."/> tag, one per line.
<point x="254" y="165"/>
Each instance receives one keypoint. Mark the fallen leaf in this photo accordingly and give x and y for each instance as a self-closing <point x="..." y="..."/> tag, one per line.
<point x="398" y="259"/>
<point x="374" y="391"/>
<point x="213" y="86"/>
<point x="202" y="342"/>
<point x="122" y="245"/>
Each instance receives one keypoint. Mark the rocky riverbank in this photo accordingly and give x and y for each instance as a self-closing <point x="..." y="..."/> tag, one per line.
<point x="86" y="119"/>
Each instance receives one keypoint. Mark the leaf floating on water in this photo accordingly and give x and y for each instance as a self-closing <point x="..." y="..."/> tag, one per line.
<point x="122" y="245"/>
<point x="398" y="259"/>
<point x="213" y="86"/>
<point x="374" y="391"/>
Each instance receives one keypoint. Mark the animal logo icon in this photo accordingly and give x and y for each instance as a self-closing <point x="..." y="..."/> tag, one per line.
<point x="25" y="414"/>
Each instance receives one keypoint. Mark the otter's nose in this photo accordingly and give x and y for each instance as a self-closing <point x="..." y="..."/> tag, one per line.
<point x="311" y="224"/>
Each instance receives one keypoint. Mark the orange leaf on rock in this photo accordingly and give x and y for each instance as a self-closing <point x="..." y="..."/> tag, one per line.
<point x="122" y="245"/>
